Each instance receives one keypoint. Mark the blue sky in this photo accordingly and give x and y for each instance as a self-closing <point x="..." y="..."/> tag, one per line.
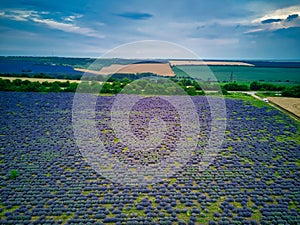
<point x="227" y="29"/>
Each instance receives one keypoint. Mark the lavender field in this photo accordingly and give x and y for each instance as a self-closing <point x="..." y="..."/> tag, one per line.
<point x="254" y="178"/>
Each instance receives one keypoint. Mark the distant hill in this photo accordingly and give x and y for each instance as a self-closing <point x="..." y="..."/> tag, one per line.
<point x="74" y="68"/>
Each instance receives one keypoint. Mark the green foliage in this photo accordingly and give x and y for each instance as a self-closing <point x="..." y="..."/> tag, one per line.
<point x="106" y="88"/>
<point x="26" y="85"/>
<point x="149" y="89"/>
<point x="236" y="87"/>
<point x="141" y="83"/>
<point x="134" y="88"/>
<point x="71" y="88"/>
<point x="116" y="88"/>
<point x="13" y="174"/>
<point x="5" y="85"/>
<point x="43" y="76"/>
<point x="125" y="81"/>
<point x="287" y="91"/>
<point x="257" y="86"/>
<point x="95" y="87"/>
<point x="188" y="213"/>
<point x="292" y="92"/>
<point x="196" y="85"/>
<point x="186" y="82"/>
<point x="191" y="90"/>
<point x="54" y="87"/>
<point x="254" y="86"/>
<point x="223" y="91"/>
<point x="157" y="86"/>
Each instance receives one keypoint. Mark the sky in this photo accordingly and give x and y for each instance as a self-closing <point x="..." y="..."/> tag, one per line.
<point x="227" y="29"/>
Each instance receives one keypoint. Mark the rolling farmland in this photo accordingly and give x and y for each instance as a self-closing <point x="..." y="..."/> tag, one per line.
<point x="72" y="68"/>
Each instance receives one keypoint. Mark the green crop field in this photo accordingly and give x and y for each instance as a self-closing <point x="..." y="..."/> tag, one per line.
<point x="241" y="73"/>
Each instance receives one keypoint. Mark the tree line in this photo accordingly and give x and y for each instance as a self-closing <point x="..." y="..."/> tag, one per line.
<point x="156" y="86"/>
<point x="28" y="86"/>
<point x="288" y="91"/>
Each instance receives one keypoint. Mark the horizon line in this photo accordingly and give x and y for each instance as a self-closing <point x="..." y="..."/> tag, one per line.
<point x="192" y="59"/>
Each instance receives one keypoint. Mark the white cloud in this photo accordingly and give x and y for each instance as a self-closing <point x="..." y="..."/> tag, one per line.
<point x="253" y="30"/>
<point x="73" y="17"/>
<point x="68" y="26"/>
<point x="18" y="15"/>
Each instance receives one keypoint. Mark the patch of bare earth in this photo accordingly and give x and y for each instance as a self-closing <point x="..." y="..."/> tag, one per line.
<point x="162" y="69"/>
<point x="290" y="104"/>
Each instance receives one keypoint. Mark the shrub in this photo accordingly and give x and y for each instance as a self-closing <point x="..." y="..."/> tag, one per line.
<point x="13" y="174"/>
<point x="236" y="87"/>
<point x="292" y="92"/>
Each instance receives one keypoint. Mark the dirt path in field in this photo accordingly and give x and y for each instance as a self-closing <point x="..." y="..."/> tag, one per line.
<point x="252" y="93"/>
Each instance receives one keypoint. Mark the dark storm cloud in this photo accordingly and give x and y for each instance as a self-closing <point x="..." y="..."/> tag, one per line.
<point x="292" y="17"/>
<point x="135" y="15"/>
<point x="271" y="21"/>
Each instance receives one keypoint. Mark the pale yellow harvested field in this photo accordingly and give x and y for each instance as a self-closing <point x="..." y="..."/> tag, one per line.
<point x="207" y="63"/>
<point x="290" y="104"/>
<point x="41" y="80"/>
<point x="162" y="69"/>
<point x="90" y="71"/>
